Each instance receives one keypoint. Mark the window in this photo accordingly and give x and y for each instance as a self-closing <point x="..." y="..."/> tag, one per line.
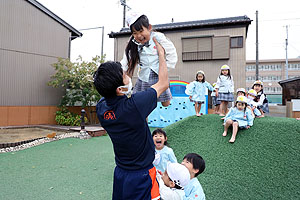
<point x="236" y="42"/>
<point x="205" y="48"/>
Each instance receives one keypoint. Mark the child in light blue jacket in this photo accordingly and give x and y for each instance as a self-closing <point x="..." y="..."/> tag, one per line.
<point x="239" y="117"/>
<point x="197" y="90"/>
<point x="196" y="165"/>
<point x="163" y="154"/>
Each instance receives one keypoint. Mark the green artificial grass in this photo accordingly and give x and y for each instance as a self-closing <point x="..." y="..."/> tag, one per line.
<point x="263" y="163"/>
<point x="65" y="169"/>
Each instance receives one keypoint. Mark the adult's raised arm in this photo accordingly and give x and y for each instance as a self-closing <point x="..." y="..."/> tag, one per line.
<point x="163" y="80"/>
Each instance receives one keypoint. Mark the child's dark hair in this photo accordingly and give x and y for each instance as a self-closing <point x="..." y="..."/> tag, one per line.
<point x="241" y="92"/>
<point x="243" y="103"/>
<point x="160" y="131"/>
<point x="228" y="75"/>
<point x="131" y="50"/>
<point x="203" y="80"/>
<point x="197" y="162"/>
<point x="107" y="78"/>
<point x="262" y="90"/>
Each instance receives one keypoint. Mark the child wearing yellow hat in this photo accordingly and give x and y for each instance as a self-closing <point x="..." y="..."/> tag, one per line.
<point x="224" y="89"/>
<point x="239" y="117"/>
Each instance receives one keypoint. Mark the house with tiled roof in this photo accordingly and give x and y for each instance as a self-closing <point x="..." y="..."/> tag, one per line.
<point x="201" y="45"/>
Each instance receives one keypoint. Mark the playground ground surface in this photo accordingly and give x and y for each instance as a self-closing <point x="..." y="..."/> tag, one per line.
<point x="263" y="163"/>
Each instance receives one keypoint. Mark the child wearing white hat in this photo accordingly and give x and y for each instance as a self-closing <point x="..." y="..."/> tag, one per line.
<point x="239" y="117"/>
<point x="261" y="98"/>
<point x="173" y="181"/>
<point x="224" y="89"/>
<point x="197" y="89"/>
<point x="141" y="52"/>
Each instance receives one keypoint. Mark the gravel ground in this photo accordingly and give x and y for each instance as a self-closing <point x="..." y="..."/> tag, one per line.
<point x="40" y="141"/>
<point x="11" y="135"/>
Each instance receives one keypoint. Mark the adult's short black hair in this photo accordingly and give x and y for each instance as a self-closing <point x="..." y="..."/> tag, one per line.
<point x="107" y="78"/>
<point x="197" y="162"/>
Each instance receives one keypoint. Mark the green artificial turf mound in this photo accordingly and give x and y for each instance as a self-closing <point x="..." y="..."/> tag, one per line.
<point x="263" y="163"/>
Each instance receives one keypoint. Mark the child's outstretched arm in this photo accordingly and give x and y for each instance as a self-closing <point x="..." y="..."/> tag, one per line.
<point x="261" y="100"/>
<point x="228" y="115"/>
<point x="250" y="117"/>
<point x="209" y="86"/>
<point x="218" y="86"/>
<point x="172" y="157"/>
<point x="163" y="80"/>
<point x="170" y="50"/>
<point x="189" y="90"/>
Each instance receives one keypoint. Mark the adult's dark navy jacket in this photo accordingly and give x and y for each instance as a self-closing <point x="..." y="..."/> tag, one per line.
<point x="124" y="119"/>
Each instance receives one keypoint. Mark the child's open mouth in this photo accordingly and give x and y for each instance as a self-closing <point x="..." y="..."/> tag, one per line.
<point x="142" y="40"/>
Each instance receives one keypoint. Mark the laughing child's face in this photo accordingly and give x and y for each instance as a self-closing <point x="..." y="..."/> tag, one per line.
<point x="142" y="36"/>
<point x="159" y="140"/>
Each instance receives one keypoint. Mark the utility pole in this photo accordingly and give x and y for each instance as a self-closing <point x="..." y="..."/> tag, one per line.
<point x="286" y="54"/>
<point x="123" y="3"/>
<point x="257" y="62"/>
<point x="102" y="41"/>
<point x="124" y="12"/>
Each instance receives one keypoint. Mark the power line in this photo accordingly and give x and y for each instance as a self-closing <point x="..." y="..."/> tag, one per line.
<point x="85" y="29"/>
<point x="268" y="20"/>
<point x="294" y="47"/>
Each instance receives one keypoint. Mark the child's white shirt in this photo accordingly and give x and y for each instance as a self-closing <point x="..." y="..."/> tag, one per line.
<point x="251" y="102"/>
<point x="261" y="99"/>
<point x="149" y="57"/>
<point x="167" y="193"/>
<point x="225" y="84"/>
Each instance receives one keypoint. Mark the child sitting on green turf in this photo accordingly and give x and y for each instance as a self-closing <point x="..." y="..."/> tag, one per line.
<point x="163" y="154"/>
<point x="196" y="165"/>
<point x="238" y="116"/>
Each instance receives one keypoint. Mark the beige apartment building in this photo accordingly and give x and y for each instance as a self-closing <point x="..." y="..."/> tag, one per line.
<point x="201" y="45"/>
<point x="271" y="72"/>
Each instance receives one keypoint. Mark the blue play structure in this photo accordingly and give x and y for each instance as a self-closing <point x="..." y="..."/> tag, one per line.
<point x="180" y="107"/>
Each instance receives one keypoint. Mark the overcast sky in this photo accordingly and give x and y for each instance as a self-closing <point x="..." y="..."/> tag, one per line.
<point x="273" y="18"/>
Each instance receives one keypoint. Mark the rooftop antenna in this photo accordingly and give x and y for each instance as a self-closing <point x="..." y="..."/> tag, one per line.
<point x="123" y="3"/>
